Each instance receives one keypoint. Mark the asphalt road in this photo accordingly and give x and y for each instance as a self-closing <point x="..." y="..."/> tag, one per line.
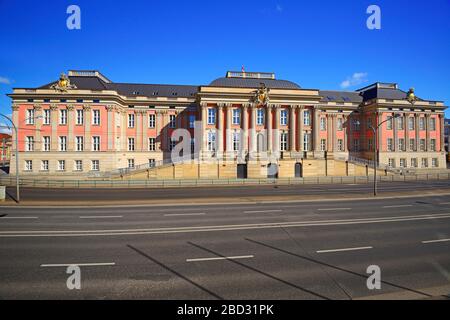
<point x="36" y="194"/>
<point x="248" y="251"/>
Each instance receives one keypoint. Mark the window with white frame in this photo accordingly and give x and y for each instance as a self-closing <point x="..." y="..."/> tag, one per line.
<point x="390" y="144"/>
<point x="95" y="143"/>
<point x="63" y="116"/>
<point x="402" y="163"/>
<point x="401" y="144"/>
<point x="151" y="163"/>
<point x="172" y="121"/>
<point x="46" y="143"/>
<point x="29" y="143"/>
<point x="283" y="117"/>
<point x="131" y="120"/>
<point x="391" y="162"/>
<point x="236" y="140"/>
<point x="424" y="163"/>
<point x="211" y="141"/>
<point x="340" y="124"/>
<point x="151" y="144"/>
<point x="130" y="144"/>
<point x="131" y="163"/>
<point x="432" y="124"/>
<point x="283" y="141"/>
<point x="95" y="165"/>
<point x="47" y="116"/>
<point x="63" y="143"/>
<point x="401" y="123"/>
<point x="79" y="143"/>
<point x="236" y="116"/>
<point x="422" y="144"/>
<point x="411" y="123"/>
<point x="434" y="162"/>
<point x="414" y="162"/>
<point x="433" y="145"/>
<point x="422" y="123"/>
<point x="192" y="121"/>
<point x="323" y="145"/>
<point x="80" y="117"/>
<point x="323" y="124"/>
<point x="44" y="165"/>
<point x="152" y="120"/>
<point x="28" y="165"/>
<point x="61" y="165"/>
<point x="306" y="118"/>
<point x="340" y="145"/>
<point x="389" y="122"/>
<point x="211" y="116"/>
<point x="307" y="141"/>
<point x="78" y="165"/>
<point x="96" y="117"/>
<point x="260" y="117"/>
<point x="30" y="116"/>
<point x="412" y="144"/>
<point x="172" y="143"/>
<point x="356" y="145"/>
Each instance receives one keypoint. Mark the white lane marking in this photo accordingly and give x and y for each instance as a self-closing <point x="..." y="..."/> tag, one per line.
<point x="220" y="258"/>
<point x="435" y="241"/>
<point x="334" y="209"/>
<point x="78" y="264"/>
<point x="296" y="224"/>
<point x="19" y="217"/>
<point x="99" y="217"/>
<point x="399" y="206"/>
<point x="184" y="214"/>
<point x="345" y="249"/>
<point x="262" y="211"/>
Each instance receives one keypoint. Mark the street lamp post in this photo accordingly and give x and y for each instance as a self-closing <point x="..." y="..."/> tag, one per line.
<point x="376" y="150"/>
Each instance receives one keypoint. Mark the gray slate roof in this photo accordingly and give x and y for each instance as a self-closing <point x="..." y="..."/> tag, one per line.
<point x="340" y="96"/>
<point x="253" y="83"/>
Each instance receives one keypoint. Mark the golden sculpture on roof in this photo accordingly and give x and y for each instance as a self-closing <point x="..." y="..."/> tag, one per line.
<point x="63" y="84"/>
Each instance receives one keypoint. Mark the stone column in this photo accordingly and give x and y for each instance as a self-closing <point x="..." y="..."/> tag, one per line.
<point x="300" y="119"/>
<point x="427" y="126"/>
<point x="442" y="132"/>
<point x="292" y="142"/>
<point x="394" y="127"/>
<point x="38" y="123"/>
<point x="138" y="124"/>
<point x="220" y="126"/>
<point x="329" y="126"/>
<point x="254" y="140"/>
<point x="316" y="128"/>
<point x="346" y="129"/>
<point x="70" y="127"/>
<point x="123" y="126"/>
<point x="276" y="135"/>
<point x="334" y="132"/>
<point x="54" y="127"/>
<point x="244" y="135"/>
<point x="417" y="127"/>
<point x="229" y="134"/>
<point x="406" y="120"/>
<point x="269" y="128"/>
<point x="87" y="128"/>
<point x="204" y="115"/>
<point x="110" y="132"/>
<point x="144" y="130"/>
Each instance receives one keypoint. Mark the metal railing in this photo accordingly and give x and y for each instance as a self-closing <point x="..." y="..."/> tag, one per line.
<point x="76" y="184"/>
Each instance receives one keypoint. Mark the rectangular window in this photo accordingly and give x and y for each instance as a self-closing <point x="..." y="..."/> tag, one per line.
<point x="422" y="123"/>
<point x="29" y="143"/>
<point x="434" y="163"/>
<point x="260" y="117"/>
<point x="95" y="165"/>
<point x="80" y="117"/>
<point x="172" y="144"/>
<point x="79" y="143"/>
<point x="401" y="123"/>
<point x="44" y="165"/>
<point x="151" y="163"/>
<point x="192" y="121"/>
<point x="323" y="124"/>
<point x="28" y="165"/>
<point x="356" y="145"/>
<point x="63" y="143"/>
<point x="96" y="143"/>
<point x="424" y="163"/>
<point x="433" y="145"/>
<point x="340" y="143"/>
<point x="283" y="117"/>
<point x="131" y="121"/>
<point x="306" y="118"/>
<point x="403" y="163"/>
<point x="340" y="124"/>
<point x="401" y="144"/>
<point x="211" y="116"/>
<point x="211" y="141"/>
<point x="432" y="124"/>
<point x="307" y="141"/>
<point x="46" y="143"/>
<point x="390" y="144"/>
<point x="151" y="120"/>
<point x="412" y="144"/>
<point x="414" y="162"/>
<point x="63" y="116"/>
<point x="422" y="144"/>
<point x="46" y="116"/>
<point x="389" y="123"/>
<point x="323" y="145"/>
<point x="30" y="116"/>
<point x="131" y="163"/>
<point x="151" y="144"/>
<point x="61" y="165"/>
<point x="283" y="141"/>
<point x="411" y="123"/>
<point x="96" y="117"/>
<point x="236" y="141"/>
<point x="236" y="116"/>
<point x="78" y="165"/>
<point x="391" y="162"/>
<point x="172" y="121"/>
<point x="130" y="144"/>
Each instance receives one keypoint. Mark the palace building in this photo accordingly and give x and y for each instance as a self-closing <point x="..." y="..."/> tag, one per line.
<point x="243" y="125"/>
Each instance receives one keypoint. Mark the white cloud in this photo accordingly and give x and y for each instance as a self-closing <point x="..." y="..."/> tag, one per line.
<point x="4" y="80"/>
<point x="356" y="79"/>
<point x="4" y="128"/>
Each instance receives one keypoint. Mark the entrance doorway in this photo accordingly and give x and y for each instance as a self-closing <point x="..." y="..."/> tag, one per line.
<point x="272" y="171"/>
<point x="298" y="170"/>
<point x="242" y="171"/>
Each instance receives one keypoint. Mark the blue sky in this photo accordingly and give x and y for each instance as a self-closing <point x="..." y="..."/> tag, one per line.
<point x="318" y="44"/>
